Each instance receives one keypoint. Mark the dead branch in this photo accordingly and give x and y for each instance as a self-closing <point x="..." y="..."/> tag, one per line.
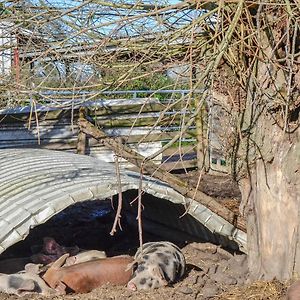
<point x="117" y="220"/>
<point x="158" y="172"/>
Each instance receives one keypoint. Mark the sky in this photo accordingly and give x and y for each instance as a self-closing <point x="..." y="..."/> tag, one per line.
<point x="103" y="21"/>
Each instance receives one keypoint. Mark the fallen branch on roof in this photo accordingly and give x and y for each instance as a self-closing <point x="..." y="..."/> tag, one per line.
<point x="158" y="172"/>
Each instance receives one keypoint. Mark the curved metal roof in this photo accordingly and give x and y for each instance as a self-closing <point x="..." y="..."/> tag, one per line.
<point x="36" y="184"/>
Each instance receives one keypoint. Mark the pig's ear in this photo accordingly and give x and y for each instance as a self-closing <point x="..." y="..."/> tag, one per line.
<point x="70" y="261"/>
<point x="27" y="285"/>
<point x="133" y="265"/>
<point x="157" y="271"/>
<point x="33" y="268"/>
<point x="60" y="261"/>
<point x="50" y="245"/>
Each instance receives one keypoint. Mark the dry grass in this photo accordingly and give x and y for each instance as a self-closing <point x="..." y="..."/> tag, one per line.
<point x="259" y="290"/>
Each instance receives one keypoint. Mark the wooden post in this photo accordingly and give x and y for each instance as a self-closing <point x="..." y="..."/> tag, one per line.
<point x="81" y="139"/>
<point x="202" y="143"/>
<point x="17" y="66"/>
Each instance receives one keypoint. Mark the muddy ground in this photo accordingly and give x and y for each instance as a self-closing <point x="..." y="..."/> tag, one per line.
<point x="212" y="272"/>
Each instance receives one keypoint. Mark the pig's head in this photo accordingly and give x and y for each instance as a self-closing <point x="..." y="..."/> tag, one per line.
<point x="146" y="277"/>
<point x="53" y="248"/>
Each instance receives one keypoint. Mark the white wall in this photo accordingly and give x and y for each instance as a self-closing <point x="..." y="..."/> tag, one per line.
<point x="7" y="40"/>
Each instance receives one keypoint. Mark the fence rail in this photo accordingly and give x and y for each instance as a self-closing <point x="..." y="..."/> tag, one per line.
<point x="145" y="124"/>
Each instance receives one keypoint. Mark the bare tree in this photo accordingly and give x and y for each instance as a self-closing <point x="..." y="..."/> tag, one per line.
<point x="244" y="54"/>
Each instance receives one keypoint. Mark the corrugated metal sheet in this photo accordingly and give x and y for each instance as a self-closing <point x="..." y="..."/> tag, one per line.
<point x="175" y="225"/>
<point x="36" y="184"/>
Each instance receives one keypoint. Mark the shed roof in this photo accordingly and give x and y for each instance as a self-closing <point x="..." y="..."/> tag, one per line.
<point x="36" y="184"/>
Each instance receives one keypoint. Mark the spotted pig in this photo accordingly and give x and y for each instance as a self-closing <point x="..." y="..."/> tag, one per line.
<point x="156" y="264"/>
<point x="24" y="283"/>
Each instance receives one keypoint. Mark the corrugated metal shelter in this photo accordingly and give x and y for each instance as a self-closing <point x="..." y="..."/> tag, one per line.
<point x="36" y="184"/>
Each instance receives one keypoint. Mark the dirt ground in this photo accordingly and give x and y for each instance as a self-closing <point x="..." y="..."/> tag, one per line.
<point x="211" y="272"/>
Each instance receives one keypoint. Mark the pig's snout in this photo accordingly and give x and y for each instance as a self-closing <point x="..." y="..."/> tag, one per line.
<point x="131" y="286"/>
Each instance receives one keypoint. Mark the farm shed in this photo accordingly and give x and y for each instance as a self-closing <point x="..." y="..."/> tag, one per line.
<point x="37" y="184"/>
<point x="136" y="121"/>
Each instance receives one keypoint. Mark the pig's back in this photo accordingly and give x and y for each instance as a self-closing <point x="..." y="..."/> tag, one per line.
<point x="86" y="276"/>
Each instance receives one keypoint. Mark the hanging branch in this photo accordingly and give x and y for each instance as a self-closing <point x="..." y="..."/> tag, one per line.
<point x="117" y="220"/>
<point x="158" y="172"/>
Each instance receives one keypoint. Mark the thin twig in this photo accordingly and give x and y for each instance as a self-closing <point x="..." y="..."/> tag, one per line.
<point x="117" y="220"/>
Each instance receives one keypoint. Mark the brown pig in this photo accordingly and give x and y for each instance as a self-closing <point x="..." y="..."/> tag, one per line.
<point x="293" y="292"/>
<point x="86" y="276"/>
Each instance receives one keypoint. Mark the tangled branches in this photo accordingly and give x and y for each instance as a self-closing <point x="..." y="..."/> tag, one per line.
<point x="245" y="54"/>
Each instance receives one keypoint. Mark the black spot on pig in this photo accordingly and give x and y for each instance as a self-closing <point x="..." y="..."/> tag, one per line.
<point x="37" y="287"/>
<point x="14" y="282"/>
<point x="141" y="268"/>
<point x="163" y="269"/>
<point x="154" y="249"/>
<point x="166" y="261"/>
<point x="159" y="254"/>
<point x="177" y="256"/>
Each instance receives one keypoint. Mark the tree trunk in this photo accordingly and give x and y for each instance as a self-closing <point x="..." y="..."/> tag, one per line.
<point x="274" y="206"/>
<point x="272" y="193"/>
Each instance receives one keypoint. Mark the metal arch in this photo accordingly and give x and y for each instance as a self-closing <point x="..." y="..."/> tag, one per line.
<point x="36" y="184"/>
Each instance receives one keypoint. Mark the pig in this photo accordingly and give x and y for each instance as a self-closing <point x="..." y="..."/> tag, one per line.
<point x="24" y="283"/>
<point x="84" y="256"/>
<point x="293" y="292"/>
<point x="84" y="277"/>
<point x="35" y="268"/>
<point x="156" y="264"/>
<point x="51" y="251"/>
<point x="51" y="247"/>
<point x="87" y="255"/>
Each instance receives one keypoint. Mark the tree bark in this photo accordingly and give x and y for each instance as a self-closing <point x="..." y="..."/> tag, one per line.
<point x="271" y="144"/>
<point x="274" y="206"/>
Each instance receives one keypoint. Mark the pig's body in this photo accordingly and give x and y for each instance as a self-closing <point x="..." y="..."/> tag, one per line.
<point x="86" y="276"/>
<point x="293" y="292"/>
<point x="24" y="283"/>
<point x="156" y="264"/>
<point x="84" y="256"/>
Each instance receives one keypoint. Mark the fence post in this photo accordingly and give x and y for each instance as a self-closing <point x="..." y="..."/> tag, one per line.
<point x="82" y="139"/>
<point x="202" y="142"/>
